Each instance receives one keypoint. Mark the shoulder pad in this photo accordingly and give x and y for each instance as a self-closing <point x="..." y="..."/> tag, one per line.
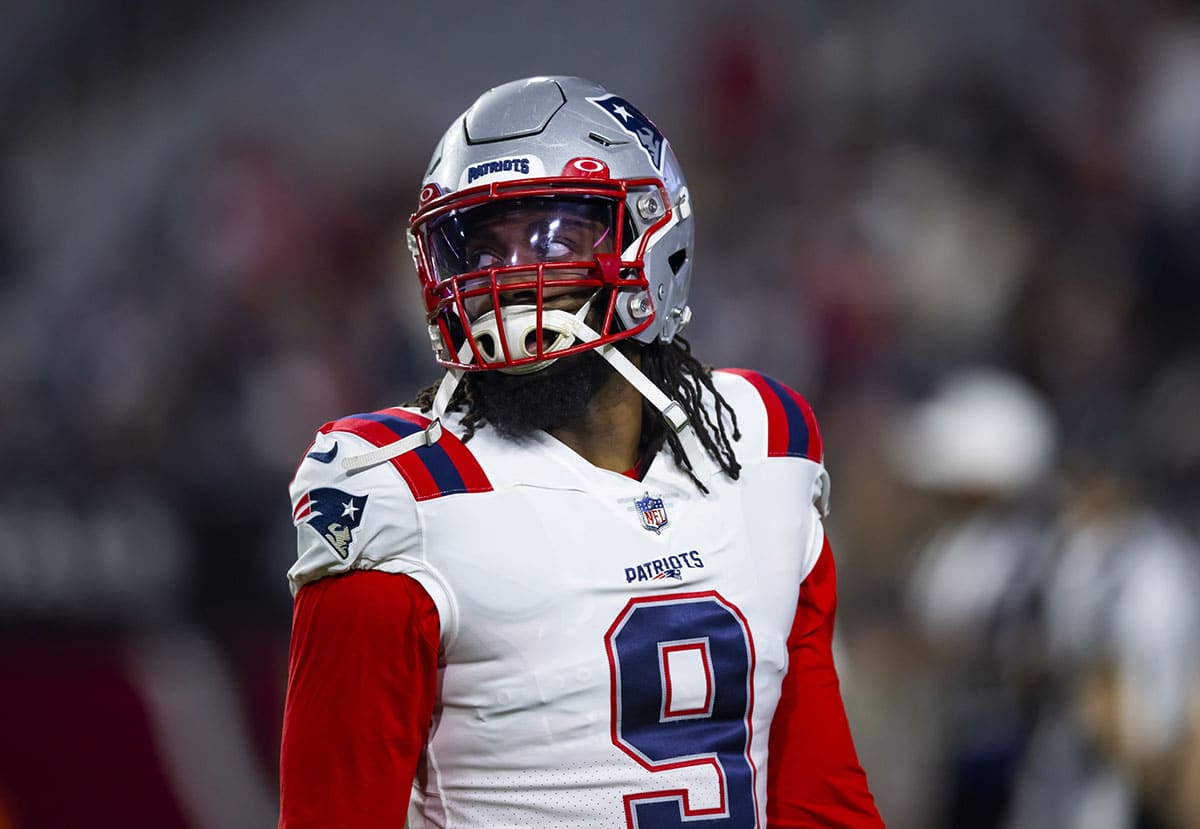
<point x="368" y="519"/>
<point x="445" y="468"/>
<point x="790" y="423"/>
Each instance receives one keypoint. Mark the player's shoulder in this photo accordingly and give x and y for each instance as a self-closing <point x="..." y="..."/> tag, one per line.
<point x="445" y="467"/>
<point x="774" y="419"/>
<point x="355" y="515"/>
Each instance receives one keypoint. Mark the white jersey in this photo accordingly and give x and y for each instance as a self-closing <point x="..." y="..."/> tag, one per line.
<point x="612" y="648"/>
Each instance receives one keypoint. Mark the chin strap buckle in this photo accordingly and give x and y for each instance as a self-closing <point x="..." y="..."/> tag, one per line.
<point x="676" y="418"/>
<point x="433" y="432"/>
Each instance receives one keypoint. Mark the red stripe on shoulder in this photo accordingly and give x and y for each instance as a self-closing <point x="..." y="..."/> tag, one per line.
<point x="777" y="422"/>
<point x="445" y="468"/>
<point x="416" y="475"/>
<point x="816" y="447"/>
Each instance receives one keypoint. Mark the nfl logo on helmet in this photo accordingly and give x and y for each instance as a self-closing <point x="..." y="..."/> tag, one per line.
<point x="652" y="512"/>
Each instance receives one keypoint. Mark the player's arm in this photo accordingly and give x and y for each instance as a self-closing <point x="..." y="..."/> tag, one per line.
<point x="813" y="775"/>
<point x="362" y="678"/>
<point x="368" y="621"/>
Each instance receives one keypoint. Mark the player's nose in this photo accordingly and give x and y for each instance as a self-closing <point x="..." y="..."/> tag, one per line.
<point x="518" y="286"/>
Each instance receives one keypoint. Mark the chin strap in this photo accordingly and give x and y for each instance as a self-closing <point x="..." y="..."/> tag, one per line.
<point x="428" y="436"/>
<point x="671" y="411"/>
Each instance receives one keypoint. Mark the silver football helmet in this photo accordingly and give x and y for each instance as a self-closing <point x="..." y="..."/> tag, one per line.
<point x="553" y="218"/>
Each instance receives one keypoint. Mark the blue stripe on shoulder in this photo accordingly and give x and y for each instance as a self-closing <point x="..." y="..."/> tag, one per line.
<point x="797" y="425"/>
<point x="439" y="464"/>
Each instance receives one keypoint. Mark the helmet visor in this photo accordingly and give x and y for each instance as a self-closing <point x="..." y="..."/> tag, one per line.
<point x="506" y="242"/>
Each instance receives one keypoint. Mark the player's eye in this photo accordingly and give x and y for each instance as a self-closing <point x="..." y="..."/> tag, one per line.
<point x="483" y="259"/>
<point x="556" y="248"/>
<point x="553" y="240"/>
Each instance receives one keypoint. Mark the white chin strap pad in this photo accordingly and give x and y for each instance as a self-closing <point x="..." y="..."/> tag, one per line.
<point x="520" y="334"/>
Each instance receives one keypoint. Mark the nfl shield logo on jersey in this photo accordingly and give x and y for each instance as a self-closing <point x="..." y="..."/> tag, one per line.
<point x="652" y="512"/>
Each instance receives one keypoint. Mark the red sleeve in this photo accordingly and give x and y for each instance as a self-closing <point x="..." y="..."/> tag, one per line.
<point x="813" y="775"/>
<point x="362" y="678"/>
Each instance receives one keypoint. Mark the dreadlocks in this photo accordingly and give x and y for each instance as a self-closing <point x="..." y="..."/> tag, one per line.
<point x="671" y="367"/>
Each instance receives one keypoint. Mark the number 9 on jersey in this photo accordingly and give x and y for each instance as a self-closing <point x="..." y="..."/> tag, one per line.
<point x="682" y="673"/>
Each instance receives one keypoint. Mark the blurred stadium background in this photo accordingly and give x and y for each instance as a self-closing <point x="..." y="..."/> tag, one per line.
<point x="969" y="232"/>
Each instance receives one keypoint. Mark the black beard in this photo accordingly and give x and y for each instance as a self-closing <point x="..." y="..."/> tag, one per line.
<point x="518" y="405"/>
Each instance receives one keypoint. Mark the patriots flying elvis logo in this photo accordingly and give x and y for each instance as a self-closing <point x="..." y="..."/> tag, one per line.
<point x="633" y="122"/>
<point x="334" y="514"/>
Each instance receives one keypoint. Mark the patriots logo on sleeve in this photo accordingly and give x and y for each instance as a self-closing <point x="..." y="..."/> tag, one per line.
<point x="636" y="124"/>
<point x="334" y="514"/>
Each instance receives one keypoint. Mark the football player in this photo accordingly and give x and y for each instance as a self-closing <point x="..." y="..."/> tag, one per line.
<point x="583" y="582"/>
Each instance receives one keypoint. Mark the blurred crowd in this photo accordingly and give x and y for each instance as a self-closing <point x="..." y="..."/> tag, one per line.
<point x="969" y="233"/>
<point x="980" y="262"/>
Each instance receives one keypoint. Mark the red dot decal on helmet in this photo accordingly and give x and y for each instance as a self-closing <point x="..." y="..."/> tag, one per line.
<point x="430" y="192"/>
<point x="586" y="168"/>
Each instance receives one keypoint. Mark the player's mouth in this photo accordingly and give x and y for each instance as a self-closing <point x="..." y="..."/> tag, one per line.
<point x="571" y="302"/>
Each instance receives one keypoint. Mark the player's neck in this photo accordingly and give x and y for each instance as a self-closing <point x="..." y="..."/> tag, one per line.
<point x="607" y="435"/>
